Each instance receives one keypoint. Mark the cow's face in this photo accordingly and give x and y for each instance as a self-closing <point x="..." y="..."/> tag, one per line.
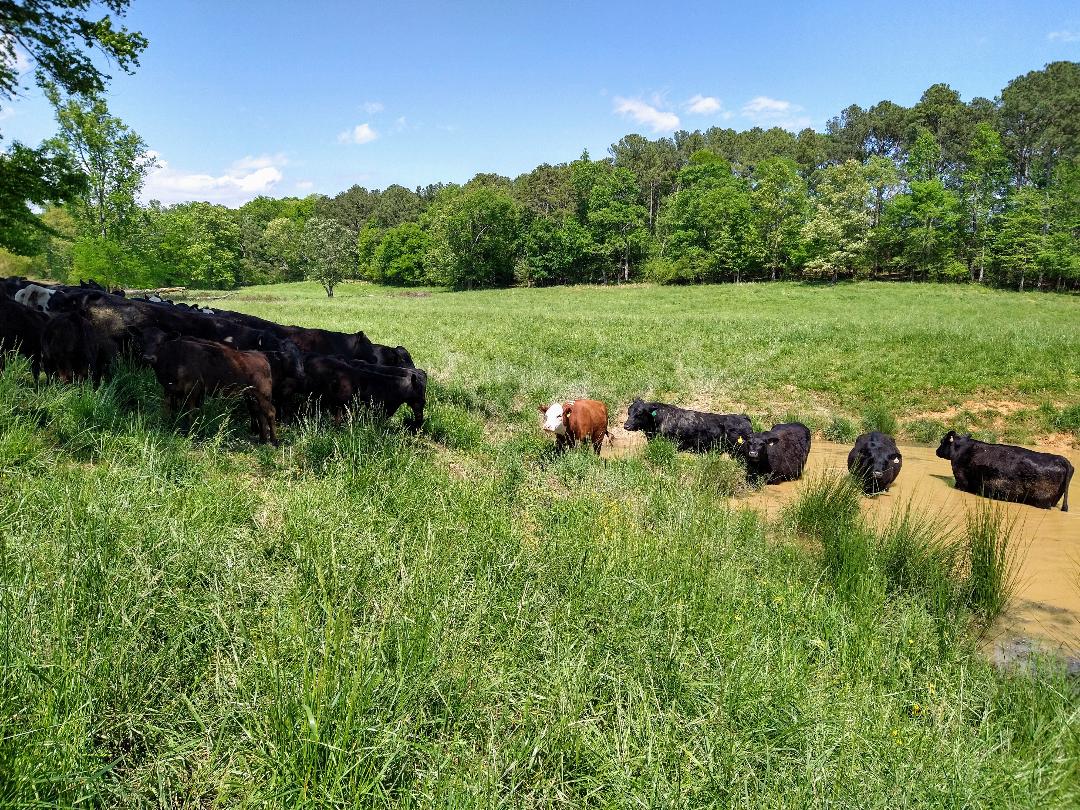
<point x="640" y="417"/>
<point x="945" y="450"/>
<point x="758" y="443"/>
<point x="553" y="418"/>
<point x="883" y="462"/>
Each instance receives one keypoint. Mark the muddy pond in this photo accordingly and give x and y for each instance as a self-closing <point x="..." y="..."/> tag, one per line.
<point x="1045" y="611"/>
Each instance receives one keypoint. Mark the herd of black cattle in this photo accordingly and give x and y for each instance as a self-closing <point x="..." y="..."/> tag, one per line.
<point x="76" y="332"/>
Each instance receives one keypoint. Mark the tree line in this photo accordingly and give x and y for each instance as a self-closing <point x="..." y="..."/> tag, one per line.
<point x="946" y="190"/>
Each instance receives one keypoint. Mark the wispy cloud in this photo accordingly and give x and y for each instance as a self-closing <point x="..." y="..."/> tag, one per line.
<point x="304" y="185"/>
<point x="243" y="180"/>
<point x="656" y="119"/>
<point x="1064" y="36"/>
<point x="373" y="107"/>
<point x="774" y="112"/>
<point x="361" y="133"/>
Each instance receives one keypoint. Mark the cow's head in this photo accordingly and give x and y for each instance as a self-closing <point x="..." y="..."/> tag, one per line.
<point x="948" y="442"/>
<point x="150" y="342"/>
<point x="553" y="417"/>
<point x="757" y="444"/>
<point x="640" y="416"/>
<point x="883" y="462"/>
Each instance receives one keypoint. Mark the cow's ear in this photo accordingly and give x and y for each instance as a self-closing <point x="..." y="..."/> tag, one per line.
<point x="567" y="408"/>
<point x="773" y="440"/>
<point x="542" y="408"/>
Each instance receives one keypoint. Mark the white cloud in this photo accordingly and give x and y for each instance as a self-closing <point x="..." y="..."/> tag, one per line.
<point x="243" y="180"/>
<point x="372" y="107"/>
<point x="704" y="105"/>
<point x="361" y="133"/>
<point x="774" y="112"/>
<point x="250" y="162"/>
<point x="400" y="124"/>
<point x="657" y="120"/>
<point x="304" y="185"/>
<point x="1064" y="36"/>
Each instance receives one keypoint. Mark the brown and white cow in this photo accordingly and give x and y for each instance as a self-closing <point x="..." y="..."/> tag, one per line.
<point x="575" y="421"/>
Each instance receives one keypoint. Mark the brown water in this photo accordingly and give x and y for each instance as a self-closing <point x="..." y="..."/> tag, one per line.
<point x="1046" y="606"/>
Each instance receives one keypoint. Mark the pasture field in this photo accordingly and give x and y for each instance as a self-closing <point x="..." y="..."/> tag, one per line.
<point x="461" y="618"/>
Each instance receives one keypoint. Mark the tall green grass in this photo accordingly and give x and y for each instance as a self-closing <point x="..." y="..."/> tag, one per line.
<point x="364" y="617"/>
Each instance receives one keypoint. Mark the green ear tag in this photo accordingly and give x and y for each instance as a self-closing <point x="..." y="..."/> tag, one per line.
<point x="654" y="413"/>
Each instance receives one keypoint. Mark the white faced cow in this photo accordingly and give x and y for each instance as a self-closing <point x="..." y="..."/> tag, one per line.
<point x="35" y="297"/>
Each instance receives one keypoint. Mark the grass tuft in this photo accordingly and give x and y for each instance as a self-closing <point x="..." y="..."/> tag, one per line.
<point x="992" y="558"/>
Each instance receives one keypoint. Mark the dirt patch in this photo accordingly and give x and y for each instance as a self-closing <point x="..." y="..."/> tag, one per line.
<point x="413" y="295"/>
<point x="998" y="407"/>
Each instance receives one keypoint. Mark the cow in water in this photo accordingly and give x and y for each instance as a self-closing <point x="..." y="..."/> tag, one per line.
<point x="875" y="462"/>
<point x="778" y="454"/>
<point x="1006" y="472"/>
<point x="693" y="431"/>
<point x="575" y="421"/>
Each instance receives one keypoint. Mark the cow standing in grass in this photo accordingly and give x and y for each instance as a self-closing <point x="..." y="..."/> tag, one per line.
<point x="190" y="369"/>
<point x="576" y="421"/>
<point x="20" y="331"/>
<point x="336" y="384"/>
<point x="1006" y="472"/>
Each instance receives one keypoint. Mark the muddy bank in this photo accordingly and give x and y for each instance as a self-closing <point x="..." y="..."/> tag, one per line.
<point x="1046" y="606"/>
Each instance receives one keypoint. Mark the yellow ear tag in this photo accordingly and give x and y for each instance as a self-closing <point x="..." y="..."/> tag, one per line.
<point x="740" y="440"/>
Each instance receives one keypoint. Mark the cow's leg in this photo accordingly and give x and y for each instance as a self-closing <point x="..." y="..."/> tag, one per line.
<point x="598" y="440"/>
<point x="562" y="443"/>
<point x="417" y="421"/>
<point x="1065" y="490"/>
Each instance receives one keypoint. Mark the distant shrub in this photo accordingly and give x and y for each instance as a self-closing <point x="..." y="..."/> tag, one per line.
<point x="841" y="429"/>
<point x="878" y="417"/>
<point x="926" y="431"/>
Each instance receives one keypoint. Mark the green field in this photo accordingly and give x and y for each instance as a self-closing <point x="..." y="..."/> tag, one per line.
<point x="461" y="618"/>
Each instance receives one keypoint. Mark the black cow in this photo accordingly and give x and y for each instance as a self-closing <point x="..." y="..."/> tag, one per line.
<point x="1006" y="472"/>
<point x="875" y="462"/>
<point x="692" y="431"/>
<point x="287" y="371"/>
<point x="20" y="331"/>
<point x="336" y="384"/>
<point x="354" y="346"/>
<point x="71" y="350"/>
<point x="778" y="454"/>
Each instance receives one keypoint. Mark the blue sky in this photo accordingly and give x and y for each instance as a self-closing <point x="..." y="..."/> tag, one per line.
<point x="239" y="99"/>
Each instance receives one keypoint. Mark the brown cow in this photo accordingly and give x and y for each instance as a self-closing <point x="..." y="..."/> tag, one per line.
<point x="189" y="369"/>
<point x="576" y="421"/>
